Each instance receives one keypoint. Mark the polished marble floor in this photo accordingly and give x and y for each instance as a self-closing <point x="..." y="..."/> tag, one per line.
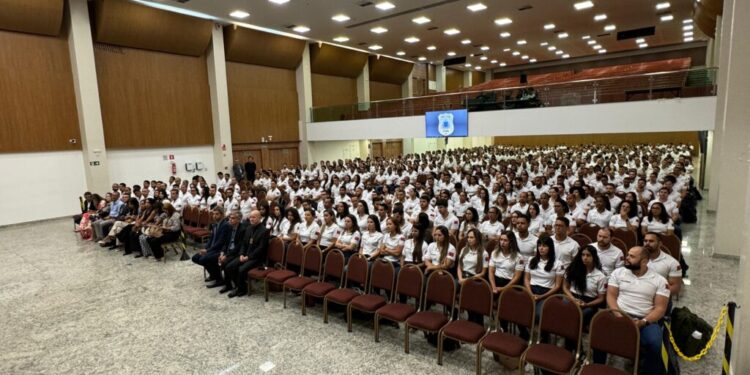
<point x="69" y="307"/>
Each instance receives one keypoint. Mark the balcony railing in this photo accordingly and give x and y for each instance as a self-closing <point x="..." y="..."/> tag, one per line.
<point x="648" y="86"/>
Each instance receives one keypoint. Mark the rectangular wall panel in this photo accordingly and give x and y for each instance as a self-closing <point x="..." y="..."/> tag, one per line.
<point x="262" y="102"/>
<point x="617" y="138"/>
<point x="384" y="91"/>
<point x="333" y="91"/>
<point x="454" y="79"/>
<point x="153" y="99"/>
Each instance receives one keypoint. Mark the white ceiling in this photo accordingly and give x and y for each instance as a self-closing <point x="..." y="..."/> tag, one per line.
<point x="479" y="27"/>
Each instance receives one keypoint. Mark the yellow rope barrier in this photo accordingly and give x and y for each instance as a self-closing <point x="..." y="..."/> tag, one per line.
<point x="710" y="343"/>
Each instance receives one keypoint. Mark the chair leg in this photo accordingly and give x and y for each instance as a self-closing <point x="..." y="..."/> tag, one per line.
<point x="265" y="289"/>
<point x="304" y="305"/>
<point x="283" y="290"/>
<point x="406" y="338"/>
<point x="479" y="358"/>
<point x="348" y="318"/>
<point x="440" y="347"/>
<point x="376" y="321"/>
<point x="325" y="310"/>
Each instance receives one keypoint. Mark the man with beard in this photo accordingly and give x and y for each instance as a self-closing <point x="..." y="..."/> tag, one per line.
<point x="643" y="294"/>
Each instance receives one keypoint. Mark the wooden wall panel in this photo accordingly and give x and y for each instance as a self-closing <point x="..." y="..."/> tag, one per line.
<point x="336" y="61"/>
<point x="153" y="99"/>
<point x="384" y="91"/>
<point x="128" y="24"/>
<point x="37" y="99"/>
<point x="477" y="77"/>
<point x="268" y="155"/>
<point x="262" y="102"/>
<point x="32" y="16"/>
<point x="258" y="48"/>
<point x="332" y="91"/>
<point x="389" y="70"/>
<point x="454" y="79"/>
<point x="613" y="138"/>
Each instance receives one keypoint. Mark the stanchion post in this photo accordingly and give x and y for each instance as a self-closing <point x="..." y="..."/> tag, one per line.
<point x="725" y="364"/>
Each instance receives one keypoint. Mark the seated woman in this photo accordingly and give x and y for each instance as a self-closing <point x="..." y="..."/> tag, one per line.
<point x="392" y="245"/>
<point x="414" y="247"/>
<point x="441" y="254"/>
<point x="150" y="213"/>
<point x="543" y="273"/>
<point x="348" y="240"/>
<point x="657" y="221"/>
<point x="470" y="220"/>
<point x="371" y="237"/>
<point x="585" y="283"/>
<point x="308" y="230"/>
<point x="492" y="228"/>
<point x="473" y="260"/>
<point x="329" y="231"/>
<point x="506" y="265"/>
<point x="289" y="227"/>
<point x="536" y="222"/>
<point x="170" y="231"/>
<point x="626" y="217"/>
<point x="132" y="212"/>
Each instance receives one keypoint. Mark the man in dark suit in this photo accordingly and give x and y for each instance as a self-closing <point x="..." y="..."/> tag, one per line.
<point x="250" y="169"/>
<point x="232" y="250"/>
<point x="209" y="256"/>
<point x="253" y="254"/>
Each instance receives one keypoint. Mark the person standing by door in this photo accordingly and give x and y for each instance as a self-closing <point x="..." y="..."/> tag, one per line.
<point x="250" y="169"/>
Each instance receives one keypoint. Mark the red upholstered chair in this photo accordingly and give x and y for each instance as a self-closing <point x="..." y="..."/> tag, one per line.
<point x="333" y="269"/>
<point x="356" y="276"/>
<point x="629" y="237"/>
<point x="612" y="335"/>
<point x="516" y="305"/>
<point x="453" y="240"/>
<point x="410" y="282"/>
<point x="461" y="244"/>
<point x="294" y="257"/>
<point x="489" y="246"/>
<point x="591" y="230"/>
<point x="275" y="262"/>
<point x="672" y="242"/>
<point x="475" y="297"/>
<point x="616" y="242"/>
<point x="381" y="280"/>
<point x="560" y="317"/>
<point x="310" y="272"/>
<point x="441" y="290"/>
<point x="582" y="239"/>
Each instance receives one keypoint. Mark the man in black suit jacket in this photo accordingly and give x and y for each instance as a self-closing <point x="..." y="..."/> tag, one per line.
<point x="209" y="256"/>
<point x="253" y="254"/>
<point x="232" y="250"/>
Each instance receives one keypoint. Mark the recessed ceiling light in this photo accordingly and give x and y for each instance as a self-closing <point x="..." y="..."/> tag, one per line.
<point x="666" y="17"/>
<point x="375" y="47"/>
<point x="687" y="28"/>
<point x="301" y="29"/>
<point x="521" y="42"/>
<point x="431" y="48"/>
<point x="467" y="65"/>
<point x="493" y="62"/>
<point x="400" y="53"/>
<point x="549" y="26"/>
<point x="503" y="21"/>
<point x="640" y="40"/>
<point x="476" y="7"/>
<point x="597" y="47"/>
<point x="506" y="49"/>
<point x="505" y="34"/>
<point x="421" y="20"/>
<point x="525" y="57"/>
<point x="503" y="64"/>
<point x="559" y="52"/>
<point x="484" y="48"/>
<point x="532" y="61"/>
<point x="562" y="35"/>
<point x="379" y="30"/>
<point x="663" y="5"/>
<point x="340" y="18"/>
<point x="551" y="48"/>
<point x="341" y="39"/>
<point x="466" y="41"/>
<point x="516" y="53"/>
<point x="602" y="51"/>
<point x="600" y="17"/>
<point x="478" y="67"/>
<point x="688" y="39"/>
<point x="239" y="14"/>
<point x="686" y="21"/>
<point x="643" y="45"/>
<point x="279" y="2"/>
<point x="451" y="53"/>
<point x="384" y="5"/>
<point x="451" y="31"/>
<point x="422" y="58"/>
<point x="583" y="5"/>
<point x="609" y="27"/>
<point x="543" y="44"/>
<point x="411" y="39"/>
<point x="586" y="37"/>
<point x="483" y="58"/>
<point x="591" y="42"/>
<point x="565" y="56"/>
<point x="687" y="33"/>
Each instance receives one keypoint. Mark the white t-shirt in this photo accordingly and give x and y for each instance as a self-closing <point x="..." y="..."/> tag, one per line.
<point x="506" y="266"/>
<point x="665" y="265"/>
<point x="536" y="224"/>
<point x="487" y="228"/>
<point x="308" y="233"/>
<point x="611" y="258"/>
<point x="433" y="253"/>
<point x="284" y="230"/>
<point x="540" y="277"/>
<point x="450" y="222"/>
<point x="408" y="252"/>
<point x="599" y="218"/>
<point x="391" y="242"/>
<point x="370" y="242"/>
<point x="527" y="246"/>
<point x="596" y="284"/>
<point x="519" y="207"/>
<point x="350" y="238"/>
<point x="469" y="261"/>
<point x="636" y="294"/>
<point x="328" y="235"/>
<point x="616" y="222"/>
<point x="565" y="250"/>
<point x="657" y="226"/>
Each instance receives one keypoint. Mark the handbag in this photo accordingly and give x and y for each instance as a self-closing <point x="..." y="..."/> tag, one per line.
<point x="153" y="231"/>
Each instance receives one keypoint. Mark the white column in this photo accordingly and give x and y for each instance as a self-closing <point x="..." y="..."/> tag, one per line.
<point x="488" y="76"/>
<point x="467" y="79"/>
<point x="86" y="88"/>
<point x="304" y="102"/>
<point x="440" y="78"/>
<point x="363" y="88"/>
<point x="407" y="89"/>
<point x="217" y="82"/>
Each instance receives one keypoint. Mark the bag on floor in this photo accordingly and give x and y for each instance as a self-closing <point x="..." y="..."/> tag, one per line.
<point x="84" y="227"/>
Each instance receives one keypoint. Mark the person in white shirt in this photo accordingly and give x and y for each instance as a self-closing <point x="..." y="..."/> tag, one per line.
<point x="506" y="264"/>
<point x="424" y="206"/>
<point x="536" y="221"/>
<point x="230" y="203"/>
<point x="329" y="231"/>
<point x="626" y="218"/>
<point x="371" y="237"/>
<point x="585" y="282"/>
<point x="392" y="245"/>
<point x="657" y="221"/>
<point x="308" y="231"/>
<point x="565" y="247"/>
<point x="662" y="263"/>
<point x="247" y="203"/>
<point x="461" y="204"/>
<point x="522" y="205"/>
<point x="445" y="218"/>
<point x="414" y="247"/>
<point x="348" y="240"/>
<point x="525" y="240"/>
<point x="601" y="213"/>
<point x="491" y="228"/>
<point x="473" y="260"/>
<point x="440" y="254"/>
<point x="614" y="200"/>
<point x="363" y="212"/>
<point x="611" y="257"/>
<point x="543" y="276"/>
<point x="213" y="198"/>
<point x="642" y="294"/>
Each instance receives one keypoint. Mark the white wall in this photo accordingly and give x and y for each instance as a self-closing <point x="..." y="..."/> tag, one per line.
<point x="335" y="150"/>
<point x="134" y="166"/>
<point x="38" y="186"/>
<point x="667" y="115"/>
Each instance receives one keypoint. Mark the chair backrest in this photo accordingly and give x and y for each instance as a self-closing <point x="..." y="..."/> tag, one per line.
<point x="441" y="289"/>
<point x="190" y="216"/>
<point x="461" y="244"/>
<point x="294" y="254"/>
<point x="674" y="245"/>
<point x="313" y="261"/>
<point x="476" y="296"/>
<point x="382" y="276"/>
<point x="357" y="270"/>
<point x="620" y="244"/>
<point x="506" y="223"/>
<point x="334" y="266"/>
<point x="204" y="218"/>
<point x="613" y="335"/>
<point x="516" y="305"/>
<point x="453" y="241"/>
<point x="591" y="230"/>
<point x="629" y="237"/>
<point x="490" y="246"/>
<point x="410" y="282"/>
<point x="561" y="316"/>
<point x="582" y="239"/>
<point x="275" y="251"/>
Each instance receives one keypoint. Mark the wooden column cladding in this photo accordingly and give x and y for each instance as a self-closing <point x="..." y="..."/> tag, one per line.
<point x="32" y="16"/>
<point x="334" y="74"/>
<point x="386" y="77"/>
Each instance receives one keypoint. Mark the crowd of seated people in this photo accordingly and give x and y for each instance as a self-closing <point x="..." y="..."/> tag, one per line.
<point x="505" y="214"/>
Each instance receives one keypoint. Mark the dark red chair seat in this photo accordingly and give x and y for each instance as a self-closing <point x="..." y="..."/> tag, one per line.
<point x="279" y="276"/>
<point x="505" y="343"/>
<point x="190" y="229"/>
<point x="318" y="288"/>
<point x="259" y="273"/>
<point x="368" y="302"/>
<point x="397" y="312"/>
<point x="427" y="320"/>
<point x="297" y="283"/>
<point x="464" y="330"/>
<point x="597" y="369"/>
<point x="550" y="357"/>
<point x="342" y="296"/>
